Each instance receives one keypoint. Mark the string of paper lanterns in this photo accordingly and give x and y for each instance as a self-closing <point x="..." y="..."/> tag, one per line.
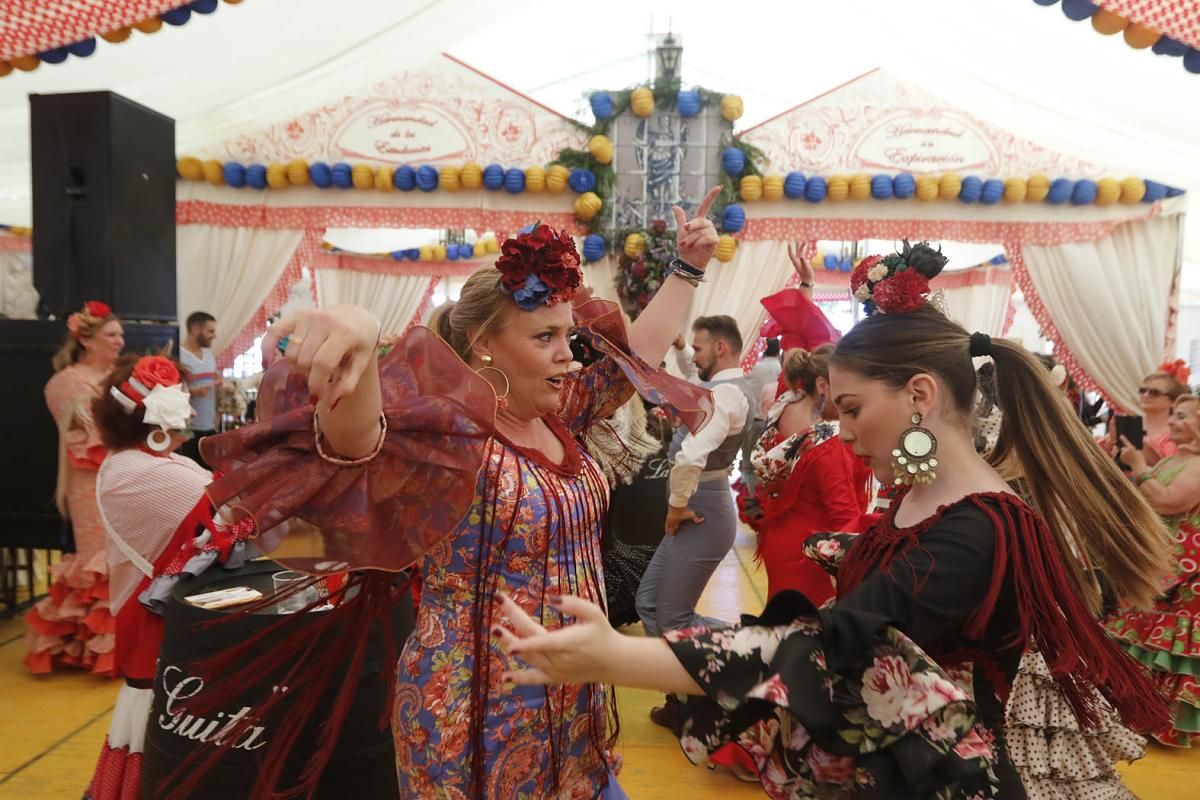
<point x="1136" y="35"/>
<point x="437" y="251"/>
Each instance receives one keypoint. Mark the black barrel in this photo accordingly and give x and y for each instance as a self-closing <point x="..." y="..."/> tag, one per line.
<point x="363" y="764"/>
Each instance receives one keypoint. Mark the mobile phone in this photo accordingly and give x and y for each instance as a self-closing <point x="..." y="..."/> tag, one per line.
<point x="1130" y="428"/>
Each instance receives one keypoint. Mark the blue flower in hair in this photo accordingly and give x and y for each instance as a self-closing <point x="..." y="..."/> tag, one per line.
<point x="532" y="295"/>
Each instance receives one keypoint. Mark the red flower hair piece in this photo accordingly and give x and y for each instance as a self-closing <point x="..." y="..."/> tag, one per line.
<point x="902" y="293"/>
<point x="540" y="267"/>
<point x="1177" y="369"/>
<point x="96" y="310"/>
<point x="859" y="276"/>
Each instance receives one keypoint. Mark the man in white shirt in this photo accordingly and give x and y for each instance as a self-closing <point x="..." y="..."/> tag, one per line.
<point x="203" y="380"/>
<point x="701" y="518"/>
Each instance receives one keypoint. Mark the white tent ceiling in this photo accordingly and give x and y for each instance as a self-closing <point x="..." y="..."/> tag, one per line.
<point x="1018" y="65"/>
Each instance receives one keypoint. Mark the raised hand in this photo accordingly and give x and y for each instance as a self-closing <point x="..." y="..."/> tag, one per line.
<point x="800" y="264"/>
<point x="332" y="346"/>
<point x="696" y="239"/>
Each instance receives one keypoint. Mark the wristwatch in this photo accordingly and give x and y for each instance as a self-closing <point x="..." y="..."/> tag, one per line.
<point x="677" y="266"/>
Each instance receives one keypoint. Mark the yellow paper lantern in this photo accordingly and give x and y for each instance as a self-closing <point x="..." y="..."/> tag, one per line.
<point x="860" y="186"/>
<point x="818" y="260"/>
<point x="149" y="25"/>
<point x="1107" y="191"/>
<point x="601" y="149"/>
<point x="383" y="179"/>
<point x="772" y="187"/>
<point x="214" y="173"/>
<point x="20" y="230"/>
<point x="26" y="63"/>
<point x="556" y="178"/>
<point x="1139" y="37"/>
<point x="750" y="188"/>
<point x="493" y="246"/>
<point x="837" y="188"/>
<point x="5" y="69"/>
<point x="1015" y="190"/>
<point x="1108" y="23"/>
<point x="439" y="252"/>
<point x="190" y="169"/>
<point x="117" y="36"/>
<point x="426" y="253"/>
<point x="232" y="2"/>
<point x="471" y="175"/>
<point x="726" y="248"/>
<point x="1036" y="188"/>
<point x="1132" y="190"/>
<point x="450" y="178"/>
<point x="277" y="176"/>
<point x="535" y="180"/>
<point x="927" y="188"/>
<point x="635" y="245"/>
<point x="297" y="172"/>
<point x="731" y="107"/>
<point x="949" y="185"/>
<point x="362" y="177"/>
<point x="588" y="205"/>
<point x="641" y="101"/>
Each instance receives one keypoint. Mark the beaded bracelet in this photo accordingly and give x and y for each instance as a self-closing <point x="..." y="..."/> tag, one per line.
<point x="350" y="462"/>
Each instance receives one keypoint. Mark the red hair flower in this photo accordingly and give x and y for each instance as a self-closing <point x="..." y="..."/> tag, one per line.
<point x="97" y="309"/>
<point x="1177" y="369"/>
<point x="902" y="293"/>
<point x="540" y="267"/>
<point x="151" y="371"/>
<point x="859" y="276"/>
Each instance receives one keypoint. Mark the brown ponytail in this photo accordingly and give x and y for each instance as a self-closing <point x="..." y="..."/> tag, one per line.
<point x="1097" y="518"/>
<point x="801" y="367"/>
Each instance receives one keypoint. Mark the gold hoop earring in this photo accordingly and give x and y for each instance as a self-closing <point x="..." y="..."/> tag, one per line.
<point x="501" y="399"/>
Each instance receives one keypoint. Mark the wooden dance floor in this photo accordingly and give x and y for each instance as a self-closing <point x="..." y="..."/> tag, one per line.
<point x="51" y="728"/>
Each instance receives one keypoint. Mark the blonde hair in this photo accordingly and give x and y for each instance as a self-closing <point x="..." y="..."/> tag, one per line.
<point x="481" y="306"/>
<point x="1099" y="521"/>
<point x="72" y="348"/>
<point x="803" y="367"/>
<point x="1184" y="398"/>
<point x="1175" y="390"/>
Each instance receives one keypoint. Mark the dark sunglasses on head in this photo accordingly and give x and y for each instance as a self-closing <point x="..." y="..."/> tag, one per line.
<point x="1153" y="394"/>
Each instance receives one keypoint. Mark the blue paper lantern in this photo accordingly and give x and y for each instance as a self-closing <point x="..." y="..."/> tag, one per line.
<point x="1174" y="191"/>
<point x="1166" y="46"/>
<point x="514" y="181"/>
<point x="846" y="265"/>
<point x="1060" y="191"/>
<point x="881" y="187"/>
<point x="1084" y="193"/>
<point x="396" y="255"/>
<point x="466" y="250"/>
<point x="581" y="180"/>
<point x="1045" y="2"/>
<point x="493" y="176"/>
<point x="1191" y="61"/>
<point x="831" y="262"/>
<point x="904" y="186"/>
<point x="235" y="174"/>
<point x="972" y="188"/>
<point x="688" y="104"/>
<point x="733" y="161"/>
<point x="83" y="48"/>
<point x="593" y="247"/>
<point x="55" y="56"/>
<point x="452" y="252"/>
<point x="992" y="191"/>
<point x="256" y="176"/>
<point x="427" y="178"/>
<point x="320" y="174"/>
<point x="203" y="6"/>
<point x="733" y="219"/>
<point x="413" y="254"/>
<point x="602" y="105"/>
<point x="343" y="175"/>
<point x="815" y="189"/>
<point x="1078" y="10"/>
<point x="176" y="16"/>
<point x="405" y="179"/>
<point x="793" y="185"/>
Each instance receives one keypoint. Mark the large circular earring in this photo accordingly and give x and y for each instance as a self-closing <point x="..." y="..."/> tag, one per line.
<point x="915" y="459"/>
<point x="501" y="399"/>
<point x="158" y="440"/>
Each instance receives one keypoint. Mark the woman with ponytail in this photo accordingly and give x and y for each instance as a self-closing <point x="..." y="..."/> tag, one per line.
<point x="897" y="689"/>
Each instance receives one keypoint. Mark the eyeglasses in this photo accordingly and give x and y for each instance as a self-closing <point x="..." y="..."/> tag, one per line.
<point x="1153" y="394"/>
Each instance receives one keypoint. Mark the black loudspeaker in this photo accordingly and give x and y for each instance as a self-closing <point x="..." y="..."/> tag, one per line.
<point x="29" y="457"/>
<point x="103" y="205"/>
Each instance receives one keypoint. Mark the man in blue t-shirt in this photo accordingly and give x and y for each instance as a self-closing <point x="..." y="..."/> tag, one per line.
<point x="203" y="381"/>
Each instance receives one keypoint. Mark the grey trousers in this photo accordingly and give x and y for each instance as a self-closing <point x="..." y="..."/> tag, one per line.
<point x="683" y="563"/>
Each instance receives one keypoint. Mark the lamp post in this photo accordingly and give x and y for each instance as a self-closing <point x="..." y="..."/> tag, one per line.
<point x="670" y="54"/>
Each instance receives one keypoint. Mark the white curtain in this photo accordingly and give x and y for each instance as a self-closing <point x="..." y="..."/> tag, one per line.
<point x="229" y="272"/>
<point x="1108" y="302"/>
<point x="982" y="306"/>
<point x="18" y="297"/>
<point x="393" y="299"/>
<point x="760" y="268"/>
